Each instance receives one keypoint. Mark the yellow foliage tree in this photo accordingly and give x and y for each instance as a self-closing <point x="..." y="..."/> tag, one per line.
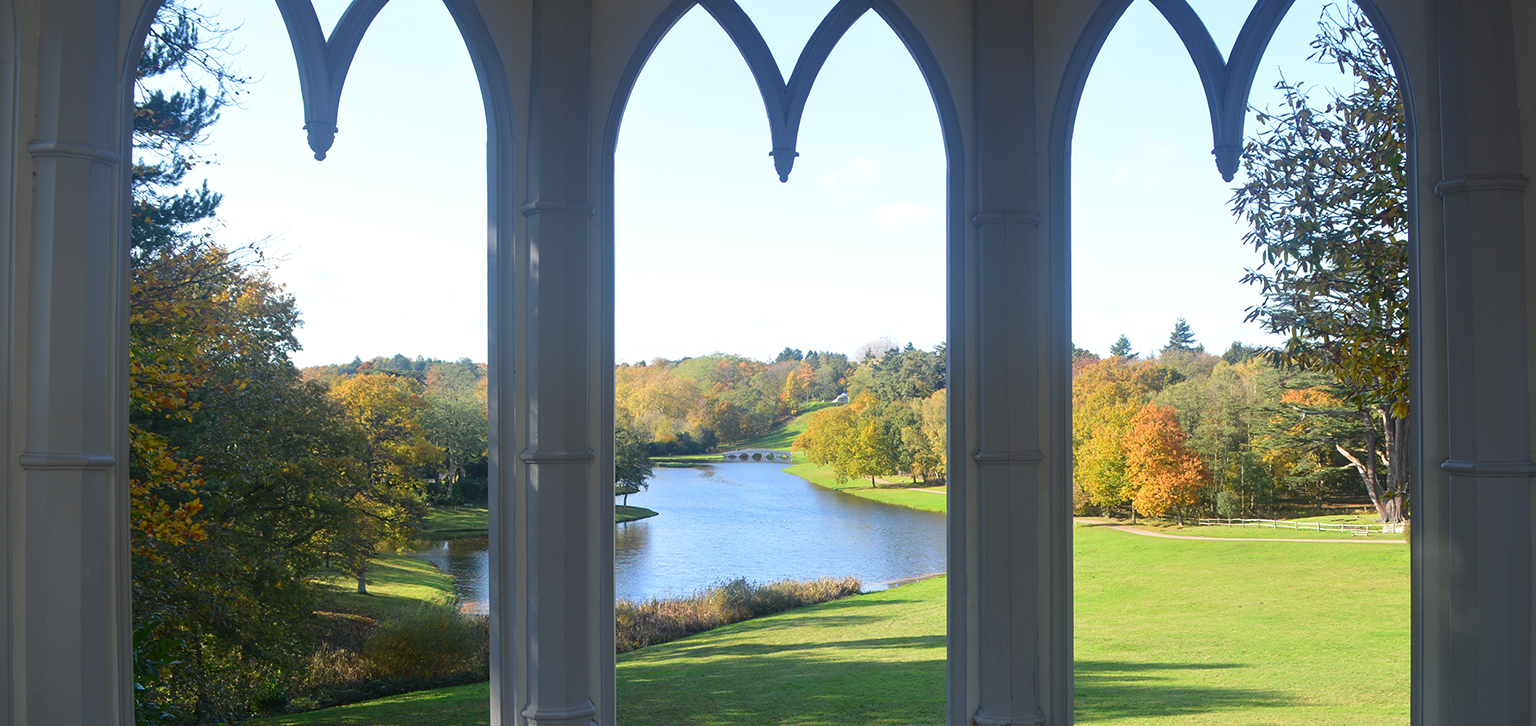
<point x="1106" y="395"/>
<point x="396" y="453"/>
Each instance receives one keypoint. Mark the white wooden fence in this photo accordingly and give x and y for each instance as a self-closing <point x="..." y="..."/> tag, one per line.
<point x="1358" y="530"/>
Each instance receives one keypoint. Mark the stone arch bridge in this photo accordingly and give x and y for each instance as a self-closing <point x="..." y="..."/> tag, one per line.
<point x="756" y="455"/>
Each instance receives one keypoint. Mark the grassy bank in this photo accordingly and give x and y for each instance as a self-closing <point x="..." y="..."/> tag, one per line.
<point x="457" y="522"/>
<point x="395" y="583"/>
<point x="1168" y="632"/>
<point x="928" y="501"/>
<point x="454" y="522"/>
<point x="779" y="439"/>
<point x="783" y="437"/>
<point x="622" y="513"/>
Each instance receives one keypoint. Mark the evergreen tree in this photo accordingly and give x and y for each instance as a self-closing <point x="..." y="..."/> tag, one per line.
<point x="1182" y="338"/>
<point x="1122" y="348"/>
<point x="1238" y="353"/>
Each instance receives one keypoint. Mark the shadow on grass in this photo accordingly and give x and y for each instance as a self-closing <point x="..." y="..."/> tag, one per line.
<point x="801" y="683"/>
<point x="876" y="681"/>
<point x="688" y="649"/>
<point x="1108" y="690"/>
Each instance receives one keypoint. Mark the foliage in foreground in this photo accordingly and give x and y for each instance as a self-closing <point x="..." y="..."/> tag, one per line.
<point x="1327" y="206"/>
<point x="662" y="620"/>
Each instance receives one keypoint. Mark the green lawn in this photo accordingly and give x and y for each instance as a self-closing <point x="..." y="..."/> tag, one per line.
<point x="395" y="582"/>
<point x="1168" y="633"/>
<point x="458" y="706"/>
<point x="914" y="498"/>
<point x="454" y="522"/>
<point x="622" y="513"/>
<point x="1213" y="633"/>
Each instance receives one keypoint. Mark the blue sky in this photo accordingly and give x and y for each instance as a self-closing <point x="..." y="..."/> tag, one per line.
<point x="383" y="242"/>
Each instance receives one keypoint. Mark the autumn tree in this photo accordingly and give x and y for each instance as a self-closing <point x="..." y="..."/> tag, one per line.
<point x="1326" y="204"/>
<point x="1106" y="394"/>
<point x="231" y="458"/>
<point x="1162" y="472"/>
<point x="396" y="457"/>
<point x="1219" y="413"/>
<point x="926" y="437"/>
<point x="851" y="439"/>
<point x="876" y="451"/>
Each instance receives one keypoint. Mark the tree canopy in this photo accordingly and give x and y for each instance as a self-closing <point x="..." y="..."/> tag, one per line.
<point x="1326" y="204"/>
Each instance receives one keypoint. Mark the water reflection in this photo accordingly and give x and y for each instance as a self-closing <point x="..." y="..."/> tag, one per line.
<point x="730" y="520"/>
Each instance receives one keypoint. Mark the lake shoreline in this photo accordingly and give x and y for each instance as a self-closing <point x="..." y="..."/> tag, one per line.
<point x="460" y="522"/>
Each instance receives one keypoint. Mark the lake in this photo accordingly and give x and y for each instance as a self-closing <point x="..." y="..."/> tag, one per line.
<point x="721" y="521"/>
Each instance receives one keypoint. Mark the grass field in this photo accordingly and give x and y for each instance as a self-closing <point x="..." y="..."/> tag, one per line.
<point x="1168" y="632"/>
<point x="395" y="582"/>
<point x="453" y="522"/>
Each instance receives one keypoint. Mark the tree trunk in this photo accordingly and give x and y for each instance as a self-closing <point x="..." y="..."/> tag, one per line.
<point x="362" y="580"/>
<point x="1388" y="490"/>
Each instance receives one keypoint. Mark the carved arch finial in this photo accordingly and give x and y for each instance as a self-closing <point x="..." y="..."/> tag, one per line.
<point x="1227" y="83"/>
<point x="323" y="63"/>
<point x="785" y="102"/>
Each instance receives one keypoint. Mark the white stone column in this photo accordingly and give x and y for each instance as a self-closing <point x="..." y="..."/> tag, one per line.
<point x="1010" y="556"/>
<point x="1477" y="630"/>
<point x="67" y="597"/>
<point x="552" y="504"/>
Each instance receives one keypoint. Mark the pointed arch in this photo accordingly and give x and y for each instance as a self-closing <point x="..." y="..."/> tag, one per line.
<point x="784" y="102"/>
<point x="1063" y="124"/>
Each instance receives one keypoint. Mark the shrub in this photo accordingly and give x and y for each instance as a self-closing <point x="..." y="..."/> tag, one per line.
<point x="427" y="641"/>
<point x="658" y="621"/>
<point x="329" y="666"/>
<point x="1228" y="505"/>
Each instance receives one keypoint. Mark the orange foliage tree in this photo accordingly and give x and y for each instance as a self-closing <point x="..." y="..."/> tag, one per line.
<point x="1163" y="473"/>
<point x="1106" y="395"/>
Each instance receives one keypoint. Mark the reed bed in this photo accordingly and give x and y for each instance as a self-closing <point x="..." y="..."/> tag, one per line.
<point x="659" y="620"/>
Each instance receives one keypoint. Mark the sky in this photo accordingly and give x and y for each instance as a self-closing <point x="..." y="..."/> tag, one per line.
<point x="383" y="243"/>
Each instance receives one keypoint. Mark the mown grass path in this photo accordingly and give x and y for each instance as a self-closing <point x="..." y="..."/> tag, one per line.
<point x="1168" y="633"/>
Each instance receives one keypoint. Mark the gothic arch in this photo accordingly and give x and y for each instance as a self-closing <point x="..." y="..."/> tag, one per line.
<point x="1213" y="77"/>
<point x="784" y="101"/>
